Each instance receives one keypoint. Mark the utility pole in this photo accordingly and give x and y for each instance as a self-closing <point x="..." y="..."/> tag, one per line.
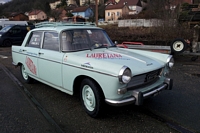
<point x="96" y="12"/>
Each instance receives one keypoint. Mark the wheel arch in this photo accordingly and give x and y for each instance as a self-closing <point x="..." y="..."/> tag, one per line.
<point x="18" y="64"/>
<point x="77" y="84"/>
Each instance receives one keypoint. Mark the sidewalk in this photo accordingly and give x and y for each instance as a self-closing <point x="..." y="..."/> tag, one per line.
<point x="18" y="114"/>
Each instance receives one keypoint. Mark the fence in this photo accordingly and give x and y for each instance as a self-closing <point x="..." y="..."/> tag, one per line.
<point x="141" y="22"/>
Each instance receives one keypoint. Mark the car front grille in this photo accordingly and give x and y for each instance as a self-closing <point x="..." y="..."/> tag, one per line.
<point x="144" y="79"/>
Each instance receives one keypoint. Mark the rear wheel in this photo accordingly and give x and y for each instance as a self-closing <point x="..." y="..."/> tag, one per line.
<point x="24" y="74"/>
<point x="91" y="98"/>
<point x="7" y="43"/>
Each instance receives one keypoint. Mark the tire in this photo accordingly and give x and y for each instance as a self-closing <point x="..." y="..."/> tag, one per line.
<point x="178" y="46"/>
<point x="25" y="76"/>
<point x="92" y="98"/>
<point x="7" y="43"/>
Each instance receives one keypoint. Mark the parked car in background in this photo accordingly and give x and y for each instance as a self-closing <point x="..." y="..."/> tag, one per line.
<point x="80" y="58"/>
<point x="14" y="34"/>
<point x="5" y="22"/>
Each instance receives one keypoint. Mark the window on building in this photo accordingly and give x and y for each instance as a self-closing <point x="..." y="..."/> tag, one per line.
<point x="118" y="13"/>
<point x="108" y="13"/>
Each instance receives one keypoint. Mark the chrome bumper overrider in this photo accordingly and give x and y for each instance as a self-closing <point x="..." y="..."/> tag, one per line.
<point x="138" y="97"/>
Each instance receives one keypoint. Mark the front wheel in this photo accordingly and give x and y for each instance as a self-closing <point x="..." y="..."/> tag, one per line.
<point x="25" y="76"/>
<point x="91" y="98"/>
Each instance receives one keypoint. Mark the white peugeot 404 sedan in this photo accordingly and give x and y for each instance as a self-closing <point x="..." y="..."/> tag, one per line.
<point x="81" y="58"/>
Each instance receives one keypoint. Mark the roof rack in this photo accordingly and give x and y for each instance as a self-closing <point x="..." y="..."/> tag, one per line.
<point x="57" y="24"/>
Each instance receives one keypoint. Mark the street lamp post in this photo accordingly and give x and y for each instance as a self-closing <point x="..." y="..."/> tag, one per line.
<point x="96" y="12"/>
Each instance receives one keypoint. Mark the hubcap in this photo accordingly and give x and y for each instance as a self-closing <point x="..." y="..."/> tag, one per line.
<point x="178" y="46"/>
<point x="24" y="73"/>
<point x="88" y="98"/>
<point x="7" y="43"/>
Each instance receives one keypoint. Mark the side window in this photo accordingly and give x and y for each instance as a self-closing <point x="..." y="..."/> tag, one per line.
<point x="51" y="41"/>
<point x="15" y="30"/>
<point x="66" y="41"/>
<point x="35" y="40"/>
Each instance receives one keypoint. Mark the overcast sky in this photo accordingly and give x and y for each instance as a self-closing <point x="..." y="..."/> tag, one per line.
<point x="4" y="1"/>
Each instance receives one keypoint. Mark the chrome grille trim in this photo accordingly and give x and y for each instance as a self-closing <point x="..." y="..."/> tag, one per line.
<point x="144" y="79"/>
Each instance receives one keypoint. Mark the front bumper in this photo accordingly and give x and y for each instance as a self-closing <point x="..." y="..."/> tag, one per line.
<point x="138" y="97"/>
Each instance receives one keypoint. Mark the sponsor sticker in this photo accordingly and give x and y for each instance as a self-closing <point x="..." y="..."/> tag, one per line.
<point x="31" y="65"/>
<point x="106" y="56"/>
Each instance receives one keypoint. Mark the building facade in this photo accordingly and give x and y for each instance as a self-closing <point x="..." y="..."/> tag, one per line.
<point x="122" y="10"/>
<point x="37" y="15"/>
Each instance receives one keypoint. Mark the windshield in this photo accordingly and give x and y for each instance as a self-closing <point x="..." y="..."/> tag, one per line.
<point x="5" y="29"/>
<point x="83" y="39"/>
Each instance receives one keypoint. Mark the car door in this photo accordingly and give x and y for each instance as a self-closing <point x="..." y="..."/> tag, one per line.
<point x="30" y="51"/>
<point x="50" y="59"/>
<point x="15" y="34"/>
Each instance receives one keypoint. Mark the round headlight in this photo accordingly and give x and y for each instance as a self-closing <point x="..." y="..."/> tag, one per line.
<point x="170" y="62"/>
<point x="125" y="75"/>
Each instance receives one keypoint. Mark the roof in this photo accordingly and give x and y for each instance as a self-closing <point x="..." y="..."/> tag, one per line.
<point x="34" y="12"/>
<point x="59" y="26"/>
<point x="80" y="9"/>
<point x="111" y="2"/>
<point x="60" y="10"/>
<point x="121" y="4"/>
<point x="177" y="2"/>
<point x="15" y="14"/>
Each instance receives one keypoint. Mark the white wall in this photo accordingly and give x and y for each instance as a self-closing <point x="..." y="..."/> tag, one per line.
<point x="139" y="23"/>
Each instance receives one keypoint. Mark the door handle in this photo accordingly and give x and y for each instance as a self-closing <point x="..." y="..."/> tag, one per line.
<point x="40" y="53"/>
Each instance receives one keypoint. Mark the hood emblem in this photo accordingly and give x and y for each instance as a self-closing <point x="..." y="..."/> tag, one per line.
<point x="87" y="65"/>
<point x="149" y="64"/>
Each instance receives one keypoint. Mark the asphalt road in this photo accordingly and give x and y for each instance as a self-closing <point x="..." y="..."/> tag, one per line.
<point x="170" y="112"/>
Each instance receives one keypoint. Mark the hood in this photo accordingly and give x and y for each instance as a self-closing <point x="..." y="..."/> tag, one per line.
<point x="2" y="33"/>
<point x="113" y="59"/>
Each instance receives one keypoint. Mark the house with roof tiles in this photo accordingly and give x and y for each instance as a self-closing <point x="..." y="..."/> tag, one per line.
<point x="83" y="11"/>
<point x="37" y="15"/>
<point x="15" y="16"/>
<point x="57" y="14"/>
<point x="122" y="9"/>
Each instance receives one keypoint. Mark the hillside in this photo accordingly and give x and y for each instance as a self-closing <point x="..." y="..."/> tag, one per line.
<point x="24" y="6"/>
